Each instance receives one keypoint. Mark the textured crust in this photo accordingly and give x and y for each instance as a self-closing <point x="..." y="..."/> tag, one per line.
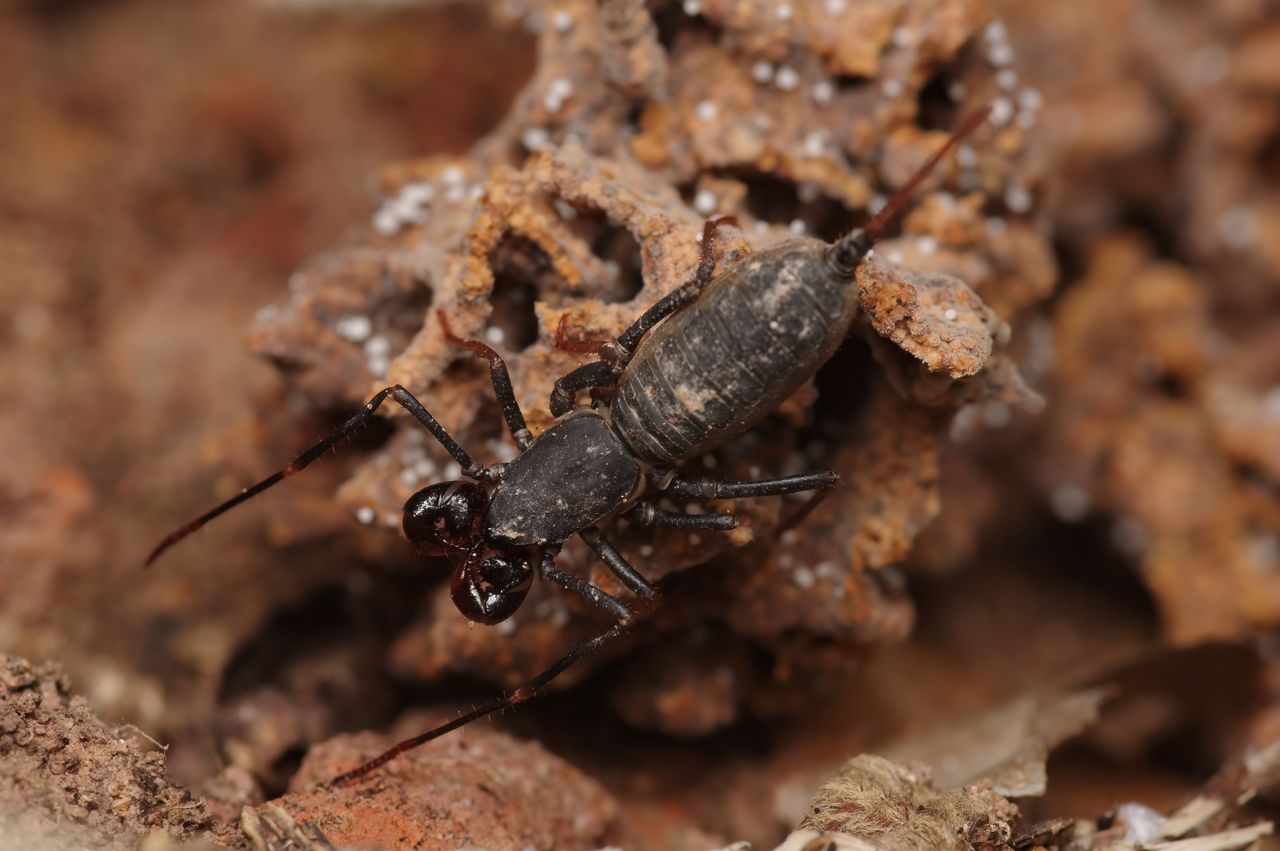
<point x="585" y="205"/>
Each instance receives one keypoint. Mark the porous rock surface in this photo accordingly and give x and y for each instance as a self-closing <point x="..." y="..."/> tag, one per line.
<point x="586" y="206"/>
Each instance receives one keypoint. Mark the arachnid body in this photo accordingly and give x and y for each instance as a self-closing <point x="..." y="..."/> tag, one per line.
<point x="699" y="367"/>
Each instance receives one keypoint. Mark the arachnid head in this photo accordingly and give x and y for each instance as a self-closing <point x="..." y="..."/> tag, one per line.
<point x="489" y="586"/>
<point x="444" y="518"/>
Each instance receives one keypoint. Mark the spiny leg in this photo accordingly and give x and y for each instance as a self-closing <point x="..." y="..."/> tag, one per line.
<point x="358" y="421"/>
<point x="518" y="696"/>
<point x="707" y="488"/>
<point x="501" y="382"/>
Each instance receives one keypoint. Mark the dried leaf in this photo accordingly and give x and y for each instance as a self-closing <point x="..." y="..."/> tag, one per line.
<point x="813" y="840"/>
<point x="899" y="809"/>
<point x="1191" y="815"/>
<point x="1006" y="747"/>
<point x="271" y="828"/>
<point x="1228" y="840"/>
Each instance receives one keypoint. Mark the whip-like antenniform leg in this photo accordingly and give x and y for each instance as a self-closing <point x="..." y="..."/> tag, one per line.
<point x="518" y="696"/>
<point x="397" y="394"/>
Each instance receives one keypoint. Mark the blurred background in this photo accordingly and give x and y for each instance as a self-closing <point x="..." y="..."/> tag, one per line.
<point x="167" y="169"/>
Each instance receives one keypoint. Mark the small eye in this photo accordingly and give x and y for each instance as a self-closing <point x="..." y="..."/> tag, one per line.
<point x="489" y="589"/>
<point x="445" y="517"/>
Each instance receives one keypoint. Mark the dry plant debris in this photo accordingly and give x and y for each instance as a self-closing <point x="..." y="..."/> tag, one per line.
<point x="875" y="804"/>
<point x="892" y="807"/>
<point x="1006" y="748"/>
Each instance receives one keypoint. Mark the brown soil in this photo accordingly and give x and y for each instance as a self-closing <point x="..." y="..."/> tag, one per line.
<point x="1045" y="587"/>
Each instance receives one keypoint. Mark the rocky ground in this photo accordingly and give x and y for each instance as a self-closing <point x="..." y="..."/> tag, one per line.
<point x="1043" y="594"/>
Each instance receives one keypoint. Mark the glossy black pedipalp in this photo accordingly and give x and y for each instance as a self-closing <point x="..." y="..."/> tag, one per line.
<point x="445" y="517"/>
<point x="488" y="588"/>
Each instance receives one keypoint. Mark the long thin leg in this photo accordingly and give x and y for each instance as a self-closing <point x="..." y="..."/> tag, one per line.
<point x="595" y="374"/>
<point x="611" y="604"/>
<point x="645" y="515"/>
<point x="687" y="292"/>
<point x="501" y="382"/>
<point x="398" y="394"/>
<point x="599" y="597"/>
<point x="520" y="695"/>
<point x="621" y="568"/>
<point x="706" y="488"/>
<point x="614" y="354"/>
<point x="804" y="511"/>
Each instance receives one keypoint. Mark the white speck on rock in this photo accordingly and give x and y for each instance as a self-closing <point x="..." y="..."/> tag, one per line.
<point x="1001" y="112"/>
<point x="535" y="138"/>
<point x="1018" y="199"/>
<point x="1070" y="503"/>
<point x="354" y="327"/>
<point x="1238" y="228"/>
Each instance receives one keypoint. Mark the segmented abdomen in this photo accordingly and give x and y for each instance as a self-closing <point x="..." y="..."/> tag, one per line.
<point x="719" y="365"/>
